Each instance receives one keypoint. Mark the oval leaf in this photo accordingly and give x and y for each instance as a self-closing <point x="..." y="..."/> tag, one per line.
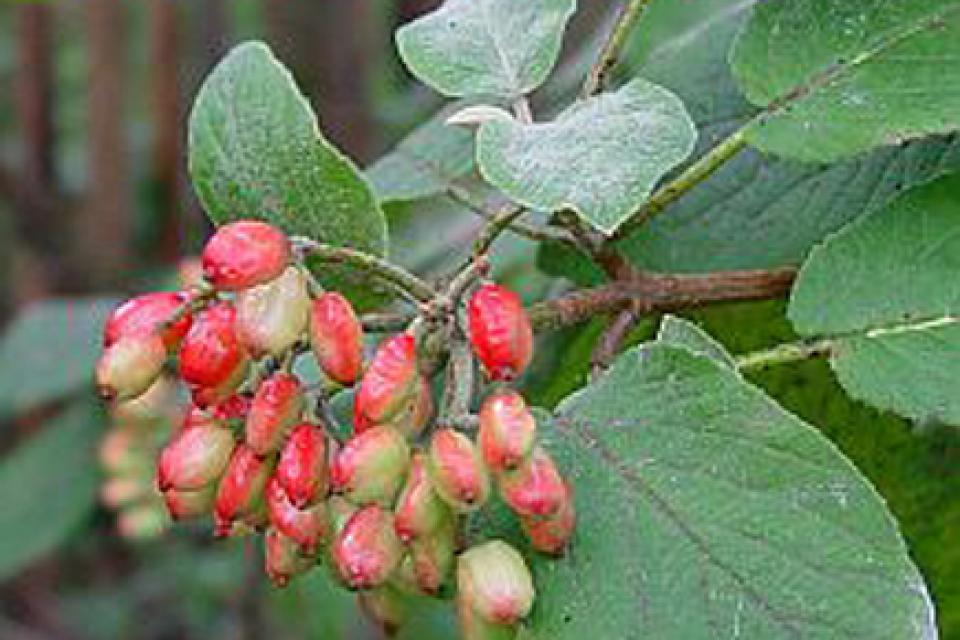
<point x="601" y="157"/>
<point x="707" y="511"/>
<point x="501" y="48"/>
<point x="838" y="78"/>
<point x="897" y="317"/>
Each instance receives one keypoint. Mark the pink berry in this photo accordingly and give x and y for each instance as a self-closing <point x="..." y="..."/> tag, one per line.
<point x="458" y="473"/>
<point x="145" y="314"/>
<point x="275" y="409"/>
<point x="507" y="430"/>
<point x="500" y="331"/>
<point x="366" y="551"/>
<point x="244" y="254"/>
<point x="336" y="337"/>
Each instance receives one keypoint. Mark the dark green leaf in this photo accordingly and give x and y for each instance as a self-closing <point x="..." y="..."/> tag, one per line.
<point x="683" y="333"/>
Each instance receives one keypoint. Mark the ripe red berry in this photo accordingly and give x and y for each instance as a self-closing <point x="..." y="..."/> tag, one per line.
<point x="552" y="534"/>
<point x="240" y="493"/>
<point x="308" y="527"/>
<point x="302" y="470"/>
<point x="244" y="254"/>
<point x="211" y="357"/>
<point x="389" y="383"/>
<point x="336" y="337"/>
<point x="366" y="551"/>
<point x="129" y="366"/>
<point x="196" y="457"/>
<point x="419" y="510"/>
<point x="276" y="407"/>
<point x="458" y="474"/>
<point x="145" y="314"/>
<point x="371" y="466"/>
<point x="494" y="581"/>
<point x="273" y="316"/>
<point x="507" y="430"/>
<point x="283" y="560"/>
<point x="500" y="331"/>
<point x="535" y="488"/>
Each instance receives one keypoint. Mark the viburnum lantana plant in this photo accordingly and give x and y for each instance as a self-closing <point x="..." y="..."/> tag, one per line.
<point x="666" y="497"/>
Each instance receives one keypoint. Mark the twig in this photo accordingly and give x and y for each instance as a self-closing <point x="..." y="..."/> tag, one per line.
<point x="387" y="271"/>
<point x="661" y="292"/>
<point x="784" y="353"/>
<point x="696" y="173"/>
<point x="530" y="231"/>
<point x="610" y="341"/>
<point x="386" y="322"/>
<point x="610" y="52"/>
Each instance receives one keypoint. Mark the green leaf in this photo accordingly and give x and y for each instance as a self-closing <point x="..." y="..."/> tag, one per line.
<point x="47" y="488"/>
<point x="883" y="286"/>
<point x="50" y="350"/>
<point x="839" y="78"/>
<point x="256" y="151"/>
<point x="683" y="333"/>
<point x="600" y="157"/>
<point x="425" y="161"/>
<point x="707" y="511"/>
<point x="500" y="48"/>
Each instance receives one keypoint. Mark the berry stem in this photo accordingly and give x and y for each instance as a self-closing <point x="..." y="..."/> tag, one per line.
<point x="596" y="78"/>
<point x="458" y="387"/>
<point x="387" y="271"/>
<point x="785" y="353"/>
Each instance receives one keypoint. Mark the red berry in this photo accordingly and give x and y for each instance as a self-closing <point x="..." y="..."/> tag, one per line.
<point x="507" y="430"/>
<point x="196" y="457"/>
<point x="389" y="383"/>
<point x="500" y="331"/>
<point x="244" y="254"/>
<point x="535" y="488"/>
<point x="282" y="558"/>
<point x="419" y="510"/>
<point x="276" y="407"/>
<point x="370" y="467"/>
<point x="211" y="357"/>
<point x="458" y="474"/>
<point x="240" y="494"/>
<point x="144" y="314"/>
<point x="366" y="551"/>
<point x="308" y="527"/>
<point x="336" y="337"/>
<point x="494" y="581"/>
<point x="129" y="366"/>
<point x="273" y="316"/>
<point x="302" y="469"/>
<point x="552" y="534"/>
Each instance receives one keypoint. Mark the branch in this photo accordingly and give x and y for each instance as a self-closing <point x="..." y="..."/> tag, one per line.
<point x="491" y="213"/>
<point x="661" y="292"/>
<point x="609" y="343"/>
<point x="610" y="53"/>
<point x="387" y="271"/>
<point x="784" y="353"/>
<point x="696" y="173"/>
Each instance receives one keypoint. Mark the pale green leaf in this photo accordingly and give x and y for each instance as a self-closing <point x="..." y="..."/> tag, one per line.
<point x="49" y="351"/>
<point x="601" y="157"/>
<point x="500" y="48"/>
<point x="839" y="78"/>
<point x="48" y="486"/>
<point x="256" y="151"/>
<point x="885" y="288"/>
<point x="707" y="511"/>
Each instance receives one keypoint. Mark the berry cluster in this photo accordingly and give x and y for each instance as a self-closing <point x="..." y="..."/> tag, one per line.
<point x="386" y="506"/>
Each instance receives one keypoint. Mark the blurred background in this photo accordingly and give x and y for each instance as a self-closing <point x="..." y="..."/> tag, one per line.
<point x="95" y="204"/>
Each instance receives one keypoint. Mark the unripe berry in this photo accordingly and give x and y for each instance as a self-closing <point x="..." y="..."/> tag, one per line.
<point x="145" y="314"/>
<point x="386" y="606"/>
<point x="336" y="337"/>
<point x="282" y="558"/>
<point x="196" y="457"/>
<point x="415" y="413"/>
<point x="371" y="466"/>
<point x="190" y="272"/>
<point x="273" y="316"/>
<point x="474" y="627"/>
<point x="142" y="522"/>
<point x="276" y="407"/>
<point x="366" y="551"/>
<point x="308" y="527"/>
<point x="211" y="357"/>
<point x="507" y="430"/>
<point x="120" y="492"/>
<point x="535" y="488"/>
<point x="419" y="510"/>
<point x="500" y="331"/>
<point x="341" y="510"/>
<point x="129" y="366"/>
<point x="244" y="254"/>
<point x="389" y="382"/>
<point x="432" y="557"/>
<point x="240" y="494"/>
<point x="494" y="581"/>
<point x="552" y="534"/>
<point x="152" y="405"/>
<point x="458" y="473"/>
<point x="182" y="504"/>
<point x="302" y="470"/>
